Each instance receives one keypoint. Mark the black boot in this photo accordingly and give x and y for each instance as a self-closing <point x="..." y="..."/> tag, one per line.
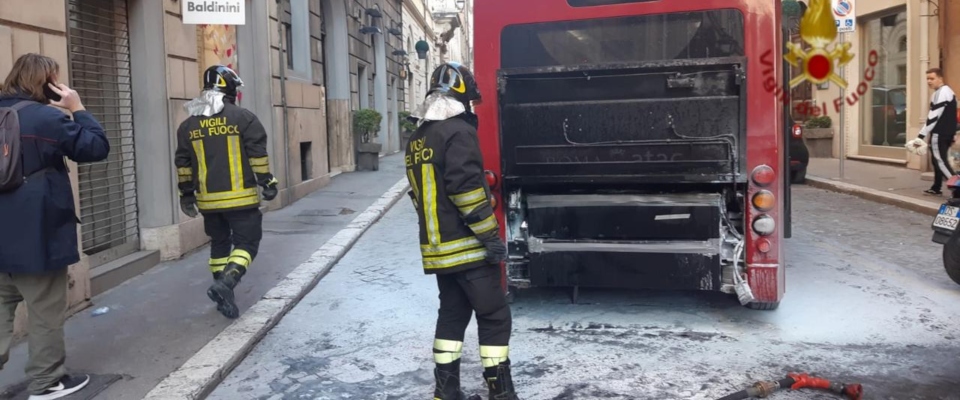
<point x="217" y="275"/>
<point x="500" y="382"/>
<point x="221" y="291"/>
<point x="448" y="383"/>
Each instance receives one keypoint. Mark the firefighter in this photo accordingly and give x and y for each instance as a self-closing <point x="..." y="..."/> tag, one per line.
<point x="459" y="234"/>
<point x="221" y="158"/>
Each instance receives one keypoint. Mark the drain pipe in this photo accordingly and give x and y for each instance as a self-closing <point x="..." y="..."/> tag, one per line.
<point x="283" y="93"/>
<point x="924" y="58"/>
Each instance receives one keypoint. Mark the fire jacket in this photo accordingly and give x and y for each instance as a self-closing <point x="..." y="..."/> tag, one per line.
<point x="450" y="194"/>
<point x="223" y="158"/>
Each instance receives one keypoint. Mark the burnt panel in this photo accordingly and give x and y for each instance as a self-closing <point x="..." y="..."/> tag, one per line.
<point x="626" y="270"/>
<point x="625" y="222"/>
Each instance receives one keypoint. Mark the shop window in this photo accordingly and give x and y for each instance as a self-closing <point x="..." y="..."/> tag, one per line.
<point x="884" y="106"/>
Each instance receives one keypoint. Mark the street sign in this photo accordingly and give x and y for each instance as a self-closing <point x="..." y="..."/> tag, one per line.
<point x="214" y="12"/>
<point x="845" y="15"/>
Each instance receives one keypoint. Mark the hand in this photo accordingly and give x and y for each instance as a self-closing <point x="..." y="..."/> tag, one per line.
<point x="270" y="189"/>
<point x="188" y="204"/>
<point x="69" y="98"/>
<point x="496" y="249"/>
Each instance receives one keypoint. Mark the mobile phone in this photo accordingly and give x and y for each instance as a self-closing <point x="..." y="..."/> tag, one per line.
<point x="49" y="93"/>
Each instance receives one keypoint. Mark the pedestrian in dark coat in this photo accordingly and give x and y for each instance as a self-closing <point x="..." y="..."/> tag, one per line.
<point x="38" y="232"/>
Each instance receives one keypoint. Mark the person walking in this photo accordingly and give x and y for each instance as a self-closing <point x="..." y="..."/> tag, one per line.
<point x="38" y="235"/>
<point x="459" y="235"/>
<point x="941" y="126"/>
<point x="221" y="158"/>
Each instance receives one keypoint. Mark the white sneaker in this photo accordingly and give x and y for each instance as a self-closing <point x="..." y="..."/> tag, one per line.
<point x="66" y="386"/>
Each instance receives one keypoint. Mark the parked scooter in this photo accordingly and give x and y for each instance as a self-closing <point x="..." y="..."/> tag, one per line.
<point x="945" y="230"/>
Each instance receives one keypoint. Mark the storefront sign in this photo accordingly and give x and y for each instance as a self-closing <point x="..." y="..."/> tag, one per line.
<point x="845" y="15"/>
<point x="214" y="12"/>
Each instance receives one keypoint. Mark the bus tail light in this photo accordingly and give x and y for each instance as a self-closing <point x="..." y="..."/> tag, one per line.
<point x="764" y="245"/>
<point x="797" y="131"/>
<point x="763" y="175"/>
<point x="491" y="179"/>
<point x="764" y="200"/>
<point x="764" y="225"/>
<point x="493" y="202"/>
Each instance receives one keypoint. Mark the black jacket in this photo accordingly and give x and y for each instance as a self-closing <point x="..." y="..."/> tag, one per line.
<point x="38" y="232"/>
<point x="942" y="117"/>
<point x="449" y="191"/>
<point x="222" y="159"/>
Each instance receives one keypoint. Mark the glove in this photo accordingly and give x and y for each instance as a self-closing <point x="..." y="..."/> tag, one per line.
<point x="270" y="189"/>
<point x="917" y="146"/>
<point x="496" y="249"/>
<point x="188" y="204"/>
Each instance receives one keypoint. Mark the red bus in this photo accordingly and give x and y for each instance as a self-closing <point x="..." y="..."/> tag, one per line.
<point x="636" y="144"/>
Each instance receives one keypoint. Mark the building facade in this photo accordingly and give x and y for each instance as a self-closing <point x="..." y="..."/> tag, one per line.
<point x="418" y="26"/>
<point x="135" y="64"/>
<point x="887" y="98"/>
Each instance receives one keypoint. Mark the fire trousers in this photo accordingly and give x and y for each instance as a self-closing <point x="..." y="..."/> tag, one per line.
<point x="234" y="237"/>
<point x="461" y="295"/>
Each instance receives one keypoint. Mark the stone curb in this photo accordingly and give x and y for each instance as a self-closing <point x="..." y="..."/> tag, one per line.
<point x="201" y="374"/>
<point x="921" y="206"/>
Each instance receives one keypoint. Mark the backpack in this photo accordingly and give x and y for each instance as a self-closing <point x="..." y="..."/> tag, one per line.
<point x="11" y="157"/>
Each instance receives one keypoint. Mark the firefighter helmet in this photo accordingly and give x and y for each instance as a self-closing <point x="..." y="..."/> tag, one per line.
<point x="455" y="80"/>
<point x="222" y="79"/>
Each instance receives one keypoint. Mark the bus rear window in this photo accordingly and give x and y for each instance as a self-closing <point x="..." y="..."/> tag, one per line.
<point x="688" y="35"/>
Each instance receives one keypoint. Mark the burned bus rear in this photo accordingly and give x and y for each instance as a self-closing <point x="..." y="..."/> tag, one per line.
<point x="630" y="147"/>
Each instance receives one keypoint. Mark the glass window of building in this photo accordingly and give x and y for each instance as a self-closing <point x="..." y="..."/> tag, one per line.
<point x="884" y="108"/>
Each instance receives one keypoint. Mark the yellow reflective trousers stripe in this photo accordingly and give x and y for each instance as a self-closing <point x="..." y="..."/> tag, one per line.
<point x="241" y="258"/>
<point x="491" y="356"/>
<point x="430" y="204"/>
<point x="446" y="351"/>
<point x="201" y="164"/>
<point x="217" y="264"/>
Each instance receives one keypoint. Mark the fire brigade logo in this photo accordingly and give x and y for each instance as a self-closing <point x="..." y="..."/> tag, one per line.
<point x="819" y="30"/>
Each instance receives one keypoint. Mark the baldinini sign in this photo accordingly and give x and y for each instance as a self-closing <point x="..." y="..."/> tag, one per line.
<point x="214" y="12"/>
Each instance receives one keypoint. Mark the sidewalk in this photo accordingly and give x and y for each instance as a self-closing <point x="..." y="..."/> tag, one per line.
<point x="898" y="186"/>
<point x="159" y="320"/>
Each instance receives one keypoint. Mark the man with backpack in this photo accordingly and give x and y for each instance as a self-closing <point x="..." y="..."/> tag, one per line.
<point x="38" y="221"/>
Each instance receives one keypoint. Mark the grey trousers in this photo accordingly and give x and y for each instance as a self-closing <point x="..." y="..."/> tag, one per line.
<point x="45" y="296"/>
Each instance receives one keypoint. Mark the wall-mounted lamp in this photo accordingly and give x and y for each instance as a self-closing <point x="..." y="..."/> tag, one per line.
<point x="375" y="13"/>
<point x="399" y="52"/>
<point x="370" y="29"/>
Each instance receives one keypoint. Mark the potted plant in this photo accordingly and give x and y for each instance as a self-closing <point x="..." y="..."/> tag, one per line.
<point x="407" y="128"/>
<point x="366" y="125"/>
<point x="818" y="136"/>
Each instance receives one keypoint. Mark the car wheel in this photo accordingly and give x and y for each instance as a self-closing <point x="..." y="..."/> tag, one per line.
<point x="798" y="176"/>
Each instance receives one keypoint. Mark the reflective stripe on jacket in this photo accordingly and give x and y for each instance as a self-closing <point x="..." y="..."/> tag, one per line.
<point x="448" y="188"/>
<point x="222" y="159"/>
